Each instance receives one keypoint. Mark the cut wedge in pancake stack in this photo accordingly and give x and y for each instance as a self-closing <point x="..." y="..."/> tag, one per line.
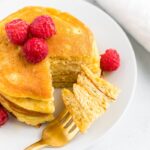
<point x="90" y="98"/>
<point x="26" y="89"/>
<point x="72" y="46"/>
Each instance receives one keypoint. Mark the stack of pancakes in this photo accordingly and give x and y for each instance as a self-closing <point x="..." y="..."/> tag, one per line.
<point x="90" y="98"/>
<point x="26" y="89"/>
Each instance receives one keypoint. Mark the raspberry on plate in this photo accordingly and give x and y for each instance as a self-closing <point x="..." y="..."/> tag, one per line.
<point x="17" y="31"/>
<point x="110" y="60"/>
<point x="35" y="50"/>
<point x="43" y="27"/>
<point x="3" y="116"/>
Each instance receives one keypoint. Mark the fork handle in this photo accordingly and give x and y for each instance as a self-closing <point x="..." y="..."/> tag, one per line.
<point x="37" y="146"/>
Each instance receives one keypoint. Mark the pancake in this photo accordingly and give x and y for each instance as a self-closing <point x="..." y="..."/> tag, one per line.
<point x="102" y="85"/>
<point x="63" y="84"/>
<point x="92" y="90"/>
<point x="83" y="107"/>
<point x="32" y="105"/>
<point x="19" y="109"/>
<point x="18" y="78"/>
<point x="26" y="117"/>
<point x="90" y="98"/>
<point x="92" y="105"/>
<point x="76" y="110"/>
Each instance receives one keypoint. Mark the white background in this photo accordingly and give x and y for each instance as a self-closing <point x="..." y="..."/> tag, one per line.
<point x="132" y="132"/>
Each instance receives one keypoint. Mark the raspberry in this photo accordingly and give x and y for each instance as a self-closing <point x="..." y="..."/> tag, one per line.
<point x="17" y="31"/>
<point x="42" y="27"/>
<point x="35" y="50"/>
<point x="110" y="60"/>
<point x="3" y="116"/>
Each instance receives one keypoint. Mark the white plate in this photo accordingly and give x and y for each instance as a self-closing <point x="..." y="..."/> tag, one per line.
<point x="108" y="34"/>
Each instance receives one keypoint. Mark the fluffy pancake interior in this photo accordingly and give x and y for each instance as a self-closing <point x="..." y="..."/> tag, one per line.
<point x="91" y="105"/>
<point x="87" y="102"/>
<point x="67" y="70"/>
<point x="104" y="86"/>
<point x="83" y="107"/>
<point x="90" y="87"/>
<point x="75" y="109"/>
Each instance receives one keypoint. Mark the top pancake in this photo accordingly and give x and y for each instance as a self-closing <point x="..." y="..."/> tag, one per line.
<point x="73" y="38"/>
<point x="18" y="78"/>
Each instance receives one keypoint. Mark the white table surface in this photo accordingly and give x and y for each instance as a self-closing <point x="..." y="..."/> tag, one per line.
<point x="132" y="132"/>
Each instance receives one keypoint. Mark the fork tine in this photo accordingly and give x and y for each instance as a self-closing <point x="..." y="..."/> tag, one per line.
<point x="67" y="120"/>
<point x="62" y="115"/>
<point x="72" y="124"/>
<point x="64" y="118"/>
<point x="73" y="133"/>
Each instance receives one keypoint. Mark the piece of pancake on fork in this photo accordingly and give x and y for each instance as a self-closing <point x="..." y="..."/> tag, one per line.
<point x="89" y="99"/>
